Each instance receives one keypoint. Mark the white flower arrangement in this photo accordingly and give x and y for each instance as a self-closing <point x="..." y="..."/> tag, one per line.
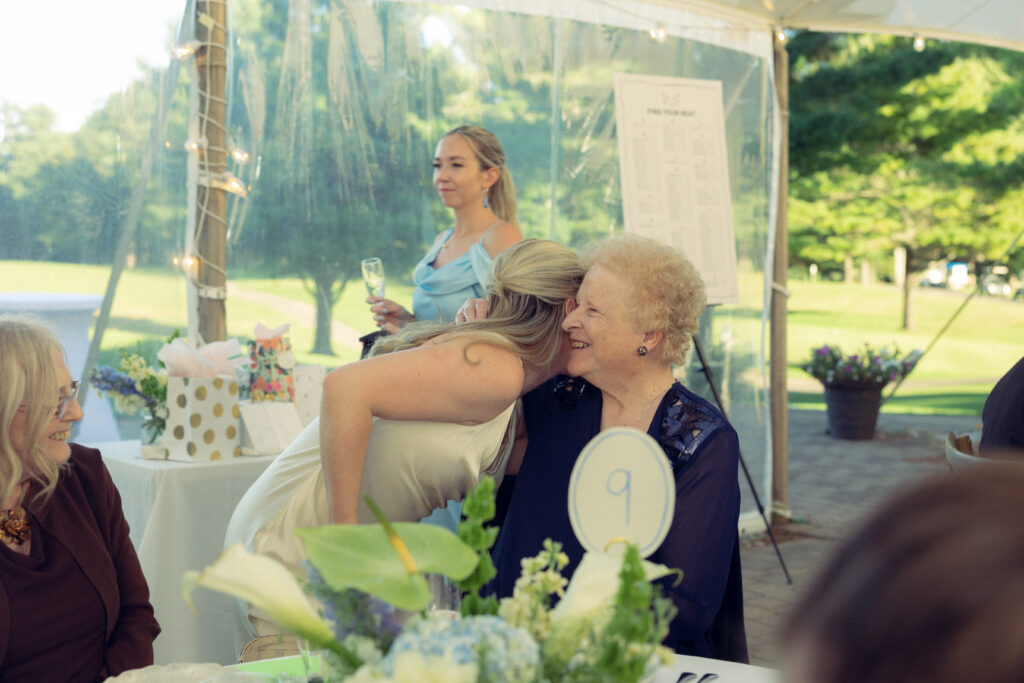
<point x="369" y="580"/>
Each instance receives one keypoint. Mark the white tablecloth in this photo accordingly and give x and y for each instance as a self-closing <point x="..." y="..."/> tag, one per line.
<point x="178" y="513"/>
<point x="728" y="672"/>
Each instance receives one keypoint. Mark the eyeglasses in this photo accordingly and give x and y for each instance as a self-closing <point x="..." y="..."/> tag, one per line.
<point x="65" y="401"/>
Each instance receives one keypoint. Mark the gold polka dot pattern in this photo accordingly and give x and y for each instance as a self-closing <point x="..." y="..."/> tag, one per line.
<point x="203" y="418"/>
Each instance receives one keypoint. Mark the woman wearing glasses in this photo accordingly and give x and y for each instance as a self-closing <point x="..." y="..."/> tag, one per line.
<point x="74" y="605"/>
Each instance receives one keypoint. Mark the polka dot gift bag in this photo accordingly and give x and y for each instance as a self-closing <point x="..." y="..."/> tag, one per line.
<point x="202" y="400"/>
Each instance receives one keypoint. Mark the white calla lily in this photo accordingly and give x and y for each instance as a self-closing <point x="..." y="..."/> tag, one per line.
<point x="595" y="582"/>
<point x="265" y="583"/>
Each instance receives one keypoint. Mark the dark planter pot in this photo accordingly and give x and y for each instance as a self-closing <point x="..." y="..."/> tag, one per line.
<point x="853" y="409"/>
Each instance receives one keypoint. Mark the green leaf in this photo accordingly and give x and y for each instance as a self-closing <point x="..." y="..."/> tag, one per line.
<point x="363" y="557"/>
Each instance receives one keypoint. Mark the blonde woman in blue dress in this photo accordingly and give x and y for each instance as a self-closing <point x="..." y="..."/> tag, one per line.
<point x="420" y="425"/>
<point x="472" y="179"/>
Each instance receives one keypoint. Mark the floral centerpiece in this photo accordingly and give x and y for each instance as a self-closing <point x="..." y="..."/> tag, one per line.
<point x="869" y="365"/>
<point x="135" y="386"/>
<point x="854" y="383"/>
<point x="370" y="582"/>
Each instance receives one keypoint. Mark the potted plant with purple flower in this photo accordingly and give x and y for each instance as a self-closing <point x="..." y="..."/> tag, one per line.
<point x="854" y="382"/>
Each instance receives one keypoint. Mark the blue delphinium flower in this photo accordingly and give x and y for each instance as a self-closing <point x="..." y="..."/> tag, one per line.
<point x="352" y="612"/>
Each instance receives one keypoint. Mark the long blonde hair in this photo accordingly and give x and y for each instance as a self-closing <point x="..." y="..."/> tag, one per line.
<point x="526" y="289"/>
<point x="501" y="195"/>
<point x="28" y="378"/>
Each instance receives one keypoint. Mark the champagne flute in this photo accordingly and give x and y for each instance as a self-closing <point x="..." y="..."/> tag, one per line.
<point x="373" y="276"/>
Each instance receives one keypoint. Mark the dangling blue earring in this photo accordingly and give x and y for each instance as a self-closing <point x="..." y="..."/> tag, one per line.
<point x="486" y="203"/>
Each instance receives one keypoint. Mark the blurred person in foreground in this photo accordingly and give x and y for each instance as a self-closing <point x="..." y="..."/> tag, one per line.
<point x="74" y="605"/>
<point x="635" y="314"/>
<point x="930" y="589"/>
<point x="472" y="179"/>
<point x="1002" y="419"/>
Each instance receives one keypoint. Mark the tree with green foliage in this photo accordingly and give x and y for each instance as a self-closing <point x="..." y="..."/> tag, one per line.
<point x="890" y="147"/>
<point x="326" y="100"/>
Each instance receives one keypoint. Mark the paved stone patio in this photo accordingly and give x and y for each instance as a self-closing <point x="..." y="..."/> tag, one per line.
<point x="833" y="484"/>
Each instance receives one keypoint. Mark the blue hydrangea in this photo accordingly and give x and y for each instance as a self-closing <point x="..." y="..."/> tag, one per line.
<point x="504" y="652"/>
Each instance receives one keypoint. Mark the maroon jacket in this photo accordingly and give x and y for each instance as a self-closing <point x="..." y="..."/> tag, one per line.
<point x="85" y="514"/>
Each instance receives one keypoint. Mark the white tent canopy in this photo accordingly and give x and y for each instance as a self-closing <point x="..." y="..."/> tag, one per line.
<point x="998" y="23"/>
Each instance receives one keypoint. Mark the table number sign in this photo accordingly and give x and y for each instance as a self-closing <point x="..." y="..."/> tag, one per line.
<point x="622" y="488"/>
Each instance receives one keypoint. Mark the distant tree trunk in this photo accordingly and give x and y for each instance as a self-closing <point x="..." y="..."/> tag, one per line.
<point x="908" y="291"/>
<point x="848" y="276"/>
<point x="899" y="265"/>
<point x="866" y="274"/>
<point x="325" y="299"/>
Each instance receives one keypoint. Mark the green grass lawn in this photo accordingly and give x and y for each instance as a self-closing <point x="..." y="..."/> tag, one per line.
<point x="150" y="304"/>
<point x="953" y="378"/>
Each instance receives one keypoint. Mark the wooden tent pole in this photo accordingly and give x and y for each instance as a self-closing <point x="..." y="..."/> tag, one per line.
<point x="211" y="199"/>
<point x="778" y="389"/>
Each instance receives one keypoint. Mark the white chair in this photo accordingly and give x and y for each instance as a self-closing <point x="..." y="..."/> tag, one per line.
<point x="268" y="647"/>
<point x="960" y="453"/>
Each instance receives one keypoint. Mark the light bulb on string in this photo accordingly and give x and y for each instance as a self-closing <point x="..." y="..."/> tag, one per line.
<point x="224" y="181"/>
<point x="918" y="43"/>
<point x="237" y="153"/>
<point x="780" y="35"/>
<point x="658" y="33"/>
<point x="195" y="144"/>
<point x="186" y="50"/>
<point x="187" y="263"/>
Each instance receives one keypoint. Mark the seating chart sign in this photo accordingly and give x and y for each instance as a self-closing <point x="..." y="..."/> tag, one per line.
<point x="674" y="172"/>
<point x="621" y="489"/>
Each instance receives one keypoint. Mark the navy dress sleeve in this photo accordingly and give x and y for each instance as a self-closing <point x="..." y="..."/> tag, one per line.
<point x="701" y="542"/>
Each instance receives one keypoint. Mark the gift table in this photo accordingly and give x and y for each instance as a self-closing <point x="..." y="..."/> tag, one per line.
<point x="178" y="513"/>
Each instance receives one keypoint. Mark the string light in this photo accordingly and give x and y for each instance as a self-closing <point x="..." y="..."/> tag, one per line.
<point x="211" y="158"/>
<point x="224" y="181"/>
<point x="183" y="52"/>
<point x="237" y="153"/>
<point x="187" y="263"/>
<point x="195" y="145"/>
<point x="658" y="33"/>
<point x="918" y="43"/>
<point x="780" y="35"/>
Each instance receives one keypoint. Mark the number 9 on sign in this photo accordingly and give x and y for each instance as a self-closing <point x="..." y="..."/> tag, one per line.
<point x="622" y="488"/>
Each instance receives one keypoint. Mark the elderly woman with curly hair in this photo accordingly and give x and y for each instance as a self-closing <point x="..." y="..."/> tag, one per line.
<point x="74" y="605"/>
<point x="636" y="311"/>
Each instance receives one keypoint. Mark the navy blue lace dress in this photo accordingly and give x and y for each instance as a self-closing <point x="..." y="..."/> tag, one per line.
<point x="561" y="417"/>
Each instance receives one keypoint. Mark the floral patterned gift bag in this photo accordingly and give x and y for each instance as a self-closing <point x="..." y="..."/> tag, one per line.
<point x="270" y="365"/>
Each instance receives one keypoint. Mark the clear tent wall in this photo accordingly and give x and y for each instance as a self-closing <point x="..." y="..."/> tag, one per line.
<point x="333" y="110"/>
